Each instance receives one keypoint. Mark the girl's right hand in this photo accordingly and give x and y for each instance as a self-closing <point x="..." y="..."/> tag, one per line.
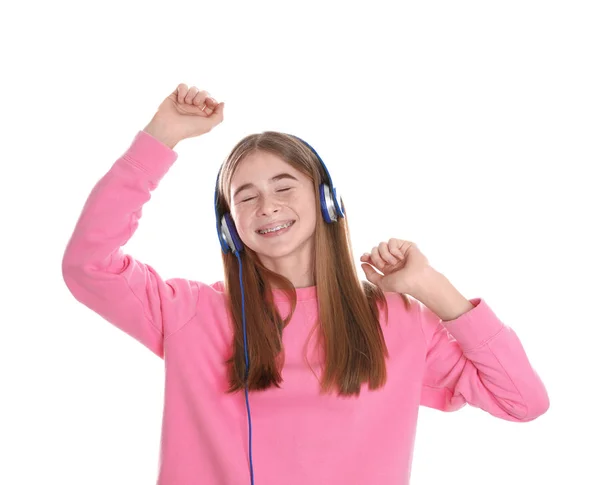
<point x="185" y="113"/>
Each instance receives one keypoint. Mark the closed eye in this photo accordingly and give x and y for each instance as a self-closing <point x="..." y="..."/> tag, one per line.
<point x="250" y="198"/>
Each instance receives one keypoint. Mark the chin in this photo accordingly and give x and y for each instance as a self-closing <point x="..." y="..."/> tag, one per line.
<point x="263" y="248"/>
<point x="279" y="252"/>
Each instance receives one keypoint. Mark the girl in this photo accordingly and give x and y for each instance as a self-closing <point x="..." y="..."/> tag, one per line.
<point x="334" y="369"/>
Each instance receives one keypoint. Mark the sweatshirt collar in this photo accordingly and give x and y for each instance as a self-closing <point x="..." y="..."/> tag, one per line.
<point x="306" y="293"/>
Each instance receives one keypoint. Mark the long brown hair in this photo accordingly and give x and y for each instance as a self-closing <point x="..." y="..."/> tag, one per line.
<point x="348" y="322"/>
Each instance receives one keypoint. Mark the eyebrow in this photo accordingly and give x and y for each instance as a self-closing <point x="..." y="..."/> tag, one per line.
<point x="272" y="179"/>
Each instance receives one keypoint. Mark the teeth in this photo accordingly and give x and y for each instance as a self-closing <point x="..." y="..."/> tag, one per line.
<point x="276" y="228"/>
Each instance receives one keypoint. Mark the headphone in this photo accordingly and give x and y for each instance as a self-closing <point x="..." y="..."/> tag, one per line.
<point x="331" y="209"/>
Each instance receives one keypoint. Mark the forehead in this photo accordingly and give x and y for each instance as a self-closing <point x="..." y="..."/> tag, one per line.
<point x="259" y="167"/>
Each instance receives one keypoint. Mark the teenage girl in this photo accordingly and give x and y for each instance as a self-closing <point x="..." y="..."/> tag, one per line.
<point x="291" y="370"/>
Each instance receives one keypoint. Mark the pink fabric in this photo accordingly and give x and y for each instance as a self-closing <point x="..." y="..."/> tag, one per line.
<point x="299" y="435"/>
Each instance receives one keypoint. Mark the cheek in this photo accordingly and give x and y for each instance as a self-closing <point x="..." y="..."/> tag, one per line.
<point x="306" y="207"/>
<point x="240" y="219"/>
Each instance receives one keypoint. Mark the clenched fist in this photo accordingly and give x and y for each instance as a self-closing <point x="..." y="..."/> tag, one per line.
<point x="185" y="113"/>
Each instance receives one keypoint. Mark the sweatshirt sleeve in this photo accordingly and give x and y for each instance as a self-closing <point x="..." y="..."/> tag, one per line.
<point x="124" y="291"/>
<point x="476" y="359"/>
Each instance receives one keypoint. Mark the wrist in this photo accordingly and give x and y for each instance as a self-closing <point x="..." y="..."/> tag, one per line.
<point x="157" y="131"/>
<point x="428" y="279"/>
<point x="439" y="295"/>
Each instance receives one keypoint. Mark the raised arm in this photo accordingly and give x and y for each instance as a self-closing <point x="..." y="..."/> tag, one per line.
<point x="126" y="292"/>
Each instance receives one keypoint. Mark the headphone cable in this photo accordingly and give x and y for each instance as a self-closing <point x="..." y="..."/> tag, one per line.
<point x="247" y="370"/>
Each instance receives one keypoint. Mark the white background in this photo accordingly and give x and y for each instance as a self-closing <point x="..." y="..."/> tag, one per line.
<point x="468" y="127"/>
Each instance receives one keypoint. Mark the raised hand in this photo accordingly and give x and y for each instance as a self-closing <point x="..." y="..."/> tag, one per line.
<point x="185" y="113"/>
<point x="401" y="262"/>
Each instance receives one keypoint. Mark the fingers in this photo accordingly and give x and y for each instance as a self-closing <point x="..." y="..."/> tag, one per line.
<point x="190" y="95"/>
<point x="208" y="104"/>
<point x="372" y="275"/>
<point x="387" y="253"/>
<point x="380" y="255"/>
<point x="182" y="90"/>
<point x="376" y="258"/>
<point x="394" y="247"/>
<point x="218" y="113"/>
<point x="196" y="97"/>
<point x="201" y="98"/>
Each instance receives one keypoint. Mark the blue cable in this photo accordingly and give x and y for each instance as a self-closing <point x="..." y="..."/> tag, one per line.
<point x="247" y="369"/>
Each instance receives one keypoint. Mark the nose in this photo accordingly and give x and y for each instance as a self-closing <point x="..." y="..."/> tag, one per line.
<point x="268" y="205"/>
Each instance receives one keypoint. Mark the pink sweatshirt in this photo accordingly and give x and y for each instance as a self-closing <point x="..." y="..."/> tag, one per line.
<point x="299" y="436"/>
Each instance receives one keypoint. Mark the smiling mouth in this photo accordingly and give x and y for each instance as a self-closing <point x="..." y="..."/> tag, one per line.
<point x="276" y="229"/>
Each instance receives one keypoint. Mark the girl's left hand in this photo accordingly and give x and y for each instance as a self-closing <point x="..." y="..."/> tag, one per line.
<point x="401" y="262"/>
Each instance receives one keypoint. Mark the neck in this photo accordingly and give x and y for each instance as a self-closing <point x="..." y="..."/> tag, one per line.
<point x="305" y="283"/>
<point x="298" y="267"/>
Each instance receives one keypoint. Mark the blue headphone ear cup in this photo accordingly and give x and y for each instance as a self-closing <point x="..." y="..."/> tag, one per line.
<point x="330" y="207"/>
<point x="223" y="237"/>
<point x="324" y="207"/>
<point x="338" y="203"/>
<point x="230" y="233"/>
